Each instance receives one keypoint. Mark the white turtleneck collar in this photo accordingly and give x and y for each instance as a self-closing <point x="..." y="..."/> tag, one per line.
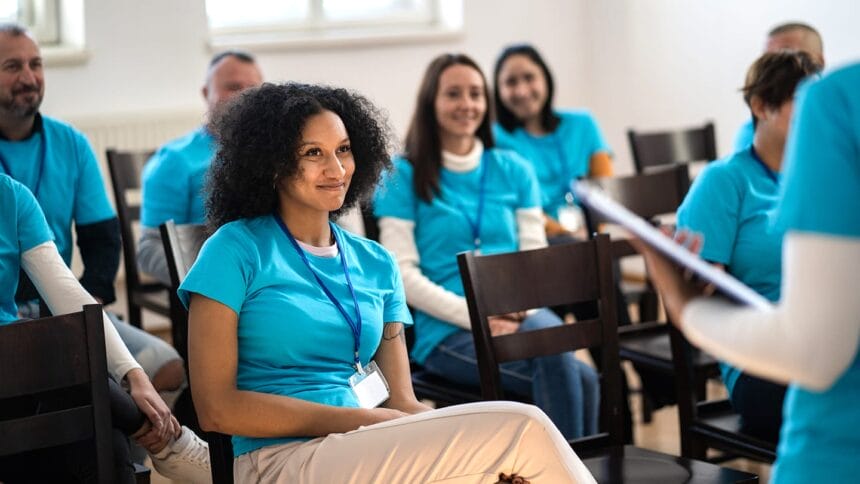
<point x="463" y="163"/>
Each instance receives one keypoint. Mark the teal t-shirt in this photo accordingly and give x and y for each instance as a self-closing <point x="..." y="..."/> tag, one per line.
<point x="732" y="203"/>
<point x="22" y="227"/>
<point x="443" y="227"/>
<point x="820" y="440"/>
<point x="173" y="180"/>
<point x="559" y="157"/>
<point x="66" y="182"/>
<point x="292" y="340"/>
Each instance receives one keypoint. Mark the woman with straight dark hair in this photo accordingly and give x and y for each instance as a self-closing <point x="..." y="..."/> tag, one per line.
<point x="561" y="145"/>
<point x="451" y="192"/>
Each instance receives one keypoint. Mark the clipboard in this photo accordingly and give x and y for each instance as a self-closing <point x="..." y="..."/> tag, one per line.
<point x="592" y="196"/>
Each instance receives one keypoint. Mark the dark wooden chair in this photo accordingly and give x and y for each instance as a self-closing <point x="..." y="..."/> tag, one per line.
<point x="649" y="196"/>
<point x="647" y="344"/>
<point x="427" y="386"/>
<point x="61" y="358"/>
<point x="566" y="274"/>
<point x="655" y="149"/>
<point x="709" y="424"/>
<point x="125" y="169"/>
<point x="182" y="243"/>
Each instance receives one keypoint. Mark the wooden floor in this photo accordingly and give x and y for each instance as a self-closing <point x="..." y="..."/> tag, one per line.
<point x="661" y="434"/>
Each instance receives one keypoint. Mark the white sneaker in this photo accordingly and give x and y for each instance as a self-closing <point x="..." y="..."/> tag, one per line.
<point x="184" y="459"/>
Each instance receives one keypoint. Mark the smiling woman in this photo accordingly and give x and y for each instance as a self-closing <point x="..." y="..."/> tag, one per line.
<point x="271" y="131"/>
<point x="453" y="192"/>
<point x="561" y="145"/>
<point x="326" y="166"/>
<point x="293" y="322"/>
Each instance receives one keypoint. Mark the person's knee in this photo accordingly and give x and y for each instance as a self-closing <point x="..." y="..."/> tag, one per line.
<point x="524" y="411"/>
<point x="159" y="357"/>
<point x="543" y="318"/>
<point x="588" y="374"/>
<point x="170" y="376"/>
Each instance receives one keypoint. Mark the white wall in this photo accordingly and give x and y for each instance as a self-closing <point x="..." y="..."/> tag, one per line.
<point x="669" y="63"/>
<point x="151" y="56"/>
<point x="648" y="64"/>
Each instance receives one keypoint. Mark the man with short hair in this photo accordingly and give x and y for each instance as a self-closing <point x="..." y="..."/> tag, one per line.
<point x="173" y="178"/>
<point x="793" y="36"/>
<point x="57" y="164"/>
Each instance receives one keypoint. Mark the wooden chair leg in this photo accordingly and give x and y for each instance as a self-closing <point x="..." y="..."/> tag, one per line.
<point x="134" y="315"/>
<point x="698" y="450"/>
<point x="647" y="407"/>
<point x="648" y="307"/>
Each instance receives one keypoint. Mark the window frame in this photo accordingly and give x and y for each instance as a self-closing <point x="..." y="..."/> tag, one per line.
<point x="42" y="18"/>
<point x="439" y="20"/>
<point x="58" y="26"/>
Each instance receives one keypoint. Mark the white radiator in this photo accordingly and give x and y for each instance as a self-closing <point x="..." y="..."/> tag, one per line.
<point x="135" y="132"/>
<point x="130" y="132"/>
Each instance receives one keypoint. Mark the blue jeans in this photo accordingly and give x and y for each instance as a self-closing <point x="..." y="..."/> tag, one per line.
<point x="151" y="352"/>
<point x="567" y="389"/>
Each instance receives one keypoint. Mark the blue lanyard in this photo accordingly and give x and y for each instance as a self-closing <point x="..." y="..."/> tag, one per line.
<point x="40" y="167"/>
<point x="566" y="170"/>
<point x="565" y="166"/>
<point x="476" y="224"/>
<point x="354" y="324"/>
<point x="767" y="170"/>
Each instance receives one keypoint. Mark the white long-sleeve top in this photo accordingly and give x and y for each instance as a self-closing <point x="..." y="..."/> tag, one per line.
<point x="398" y="236"/>
<point x="811" y="336"/>
<point x="64" y="294"/>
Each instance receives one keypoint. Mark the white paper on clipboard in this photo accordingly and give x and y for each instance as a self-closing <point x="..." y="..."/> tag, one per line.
<point x="594" y="198"/>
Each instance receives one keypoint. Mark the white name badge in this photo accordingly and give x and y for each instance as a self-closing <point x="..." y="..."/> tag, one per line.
<point x="370" y="387"/>
<point x="570" y="217"/>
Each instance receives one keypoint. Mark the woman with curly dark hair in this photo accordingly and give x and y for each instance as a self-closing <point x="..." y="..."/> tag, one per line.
<point x="453" y="192"/>
<point x="293" y="321"/>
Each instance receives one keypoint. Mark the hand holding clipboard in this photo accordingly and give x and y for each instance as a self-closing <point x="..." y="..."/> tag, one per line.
<point x="594" y="198"/>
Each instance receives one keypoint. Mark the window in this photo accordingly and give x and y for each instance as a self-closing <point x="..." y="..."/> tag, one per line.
<point x="40" y="16"/>
<point x="58" y="26"/>
<point x="284" y="22"/>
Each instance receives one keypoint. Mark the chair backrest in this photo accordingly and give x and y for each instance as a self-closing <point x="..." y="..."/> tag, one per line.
<point x="181" y="246"/>
<point x="653" y="149"/>
<point x="182" y="243"/>
<point x="45" y="357"/>
<point x="648" y="195"/>
<point x="552" y="276"/>
<point x="125" y="169"/>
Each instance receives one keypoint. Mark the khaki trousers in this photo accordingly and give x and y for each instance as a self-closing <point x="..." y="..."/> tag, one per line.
<point x="469" y="443"/>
